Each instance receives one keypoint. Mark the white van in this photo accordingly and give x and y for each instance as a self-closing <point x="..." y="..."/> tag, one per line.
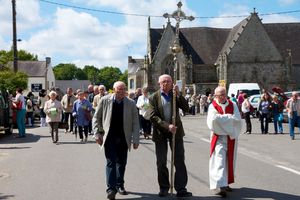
<point x="248" y="88"/>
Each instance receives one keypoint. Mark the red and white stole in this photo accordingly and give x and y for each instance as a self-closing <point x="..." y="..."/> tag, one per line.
<point x="230" y="143"/>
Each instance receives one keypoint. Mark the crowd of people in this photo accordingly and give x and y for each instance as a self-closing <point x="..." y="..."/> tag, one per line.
<point x="117" y="120"/>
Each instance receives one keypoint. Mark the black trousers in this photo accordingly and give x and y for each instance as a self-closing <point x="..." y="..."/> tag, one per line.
<point x="161" y="150"/>
<point x="66" y="119"/>
<point x="248" y="122"/>
<point x="82" y="129"/>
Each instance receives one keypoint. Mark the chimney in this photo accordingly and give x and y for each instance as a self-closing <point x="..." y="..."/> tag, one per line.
<point x="48" y="61"/>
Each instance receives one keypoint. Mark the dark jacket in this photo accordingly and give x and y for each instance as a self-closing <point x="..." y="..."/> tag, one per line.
<point x="160" y="126"/>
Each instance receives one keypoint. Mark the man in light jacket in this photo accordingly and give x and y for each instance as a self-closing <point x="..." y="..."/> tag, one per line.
<point x="116" y="126"/>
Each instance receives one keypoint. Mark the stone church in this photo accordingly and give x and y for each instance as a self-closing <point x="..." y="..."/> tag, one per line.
<point x="267" y="54"/>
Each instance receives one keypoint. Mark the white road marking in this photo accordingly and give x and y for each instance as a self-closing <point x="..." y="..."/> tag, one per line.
<point x="254" y="155"/>
<point x="288" y="169"/>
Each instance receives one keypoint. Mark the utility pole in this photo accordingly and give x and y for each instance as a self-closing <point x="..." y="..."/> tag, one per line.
<point x="15" y="49"/>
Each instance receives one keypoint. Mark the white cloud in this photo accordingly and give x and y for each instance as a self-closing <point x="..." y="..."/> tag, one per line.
<point x="228" y="22"/>
<point x="287" y="2"/>
<point x="278" y="19"/>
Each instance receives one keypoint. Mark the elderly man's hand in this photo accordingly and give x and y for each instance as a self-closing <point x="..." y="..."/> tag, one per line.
<point x="176" y="90"/>
<point x="172" y="128"/>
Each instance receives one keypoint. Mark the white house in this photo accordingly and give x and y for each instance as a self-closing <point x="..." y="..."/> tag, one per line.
<point x="40" y="74"/>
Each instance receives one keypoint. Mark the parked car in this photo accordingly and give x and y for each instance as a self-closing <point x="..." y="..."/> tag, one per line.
<point x="254" y="101"/>
<point x="6" y="113"/>
<point x="248" y="88"/>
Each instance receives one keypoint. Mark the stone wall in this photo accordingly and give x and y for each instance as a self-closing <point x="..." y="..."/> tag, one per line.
<point x="265" y="74"/>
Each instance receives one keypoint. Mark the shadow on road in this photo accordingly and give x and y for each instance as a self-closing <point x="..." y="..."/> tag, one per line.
<point x="253" y="193"/>
<point x="11" y="139"/>
<point x="238" y="194"/>
<point x="6" y="196"/>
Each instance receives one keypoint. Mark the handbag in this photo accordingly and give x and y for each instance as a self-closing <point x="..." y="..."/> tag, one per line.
<point x="88" y="115"/>
<point x="17" y="106"/>
<point x="280" y="117"/>
<point x="63" y="125"/>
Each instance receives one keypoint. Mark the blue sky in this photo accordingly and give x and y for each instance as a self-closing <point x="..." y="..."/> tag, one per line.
<point x="83" y="37"/>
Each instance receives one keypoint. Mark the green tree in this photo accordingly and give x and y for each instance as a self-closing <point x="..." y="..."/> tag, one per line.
<point x="109" y="75"/>
<point x="68" y="72"/>
<point x="6" y="56"/>
<point x="10" y="80"/>
<point x="92" y="74"/>
<point x="124" y="77"/>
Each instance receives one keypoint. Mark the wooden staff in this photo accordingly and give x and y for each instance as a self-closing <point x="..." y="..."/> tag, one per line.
<point x="174" y="123"/>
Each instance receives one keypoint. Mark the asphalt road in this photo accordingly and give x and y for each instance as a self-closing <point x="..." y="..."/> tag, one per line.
<point x="33" y="168"/>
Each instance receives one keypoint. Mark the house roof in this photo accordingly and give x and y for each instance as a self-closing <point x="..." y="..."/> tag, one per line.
<point x="134" y="65"/>
<point x="32" y="68"/>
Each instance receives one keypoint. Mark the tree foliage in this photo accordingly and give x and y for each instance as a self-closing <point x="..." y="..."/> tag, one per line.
<point x="68" y="72"/>
<point x="109" y="75"/>
<point x="6" y="56"/>
<point x="124" y="77"/>
<point x="92" y="74"/>
<point x="10" y="80"/>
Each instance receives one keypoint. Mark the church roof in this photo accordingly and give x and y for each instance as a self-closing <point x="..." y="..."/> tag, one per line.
<point x="285" y="36"/>
<point x="233" y="35"/>
<point x="205" y="43"/>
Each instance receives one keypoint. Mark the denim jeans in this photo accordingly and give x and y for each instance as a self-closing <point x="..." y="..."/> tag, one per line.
<point x="292" y="121"/>
<point x="277" y="124"/>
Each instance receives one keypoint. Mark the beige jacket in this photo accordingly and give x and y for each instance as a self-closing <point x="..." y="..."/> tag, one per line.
<point x="289" y="107"/>
<point x="102" y="119"/>
<point x="64" y="102"/>
<point x="53" y="110"/>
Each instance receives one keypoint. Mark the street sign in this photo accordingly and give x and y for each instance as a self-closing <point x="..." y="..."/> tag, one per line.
<point x="36" y="87"/>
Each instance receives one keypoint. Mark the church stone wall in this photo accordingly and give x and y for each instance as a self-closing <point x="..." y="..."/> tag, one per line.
<point x="266" y="74"/>
<point x="204" y="74"/>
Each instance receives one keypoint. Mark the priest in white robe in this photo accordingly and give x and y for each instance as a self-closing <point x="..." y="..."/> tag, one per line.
<point x="225" y="123"/>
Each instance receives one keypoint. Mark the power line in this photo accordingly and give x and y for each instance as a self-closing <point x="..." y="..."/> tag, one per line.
<point x="144" y="15"/>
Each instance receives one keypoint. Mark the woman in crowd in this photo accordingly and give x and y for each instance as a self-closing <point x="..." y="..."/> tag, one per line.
<point x="246" y="112"/>
<point x="41" y="103"/>
<point x="277" y="110"/>
<point x="143" y="105"/>
<point x="264" y="111"/>
<point x="30" y="109"/>
<point x="82" y="109"/>
<point x="53" y="110"/>
<point x="20" y="103"/>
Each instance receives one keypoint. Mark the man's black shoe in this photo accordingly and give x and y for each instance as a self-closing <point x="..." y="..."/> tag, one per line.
<point x="122" y="191"/>
<point x="111" y="194"/>
<point x="221" y="192"/>
<point x="163" y="193"/>
<point x="184" y="194"/>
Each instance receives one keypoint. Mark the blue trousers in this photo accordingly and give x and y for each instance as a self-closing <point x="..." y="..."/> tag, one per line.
<point x="116" y="159"/>
<point x="21" y="121"/>
<point x="292" y="121"/>
<point x="277" y="124"/>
